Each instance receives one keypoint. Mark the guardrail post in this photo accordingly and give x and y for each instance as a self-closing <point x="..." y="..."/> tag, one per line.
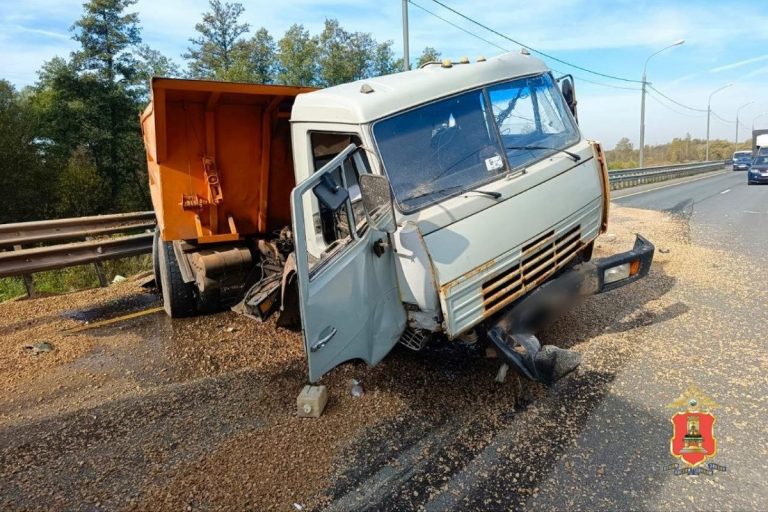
<point x="101" y="274"/>
<point x="29" y="283"/>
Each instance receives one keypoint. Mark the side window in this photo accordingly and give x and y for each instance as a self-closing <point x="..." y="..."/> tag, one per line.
<point x="334" y="224"/>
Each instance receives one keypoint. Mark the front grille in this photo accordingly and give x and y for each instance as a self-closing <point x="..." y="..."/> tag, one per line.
<point x="539" y="259"/>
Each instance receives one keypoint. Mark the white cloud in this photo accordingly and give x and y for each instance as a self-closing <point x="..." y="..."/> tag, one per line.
<point x="739" y="64"/>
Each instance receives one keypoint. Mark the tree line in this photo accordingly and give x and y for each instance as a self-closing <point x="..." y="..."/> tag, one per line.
<point x="680" y="150"/>
<point x="70" y="145"/>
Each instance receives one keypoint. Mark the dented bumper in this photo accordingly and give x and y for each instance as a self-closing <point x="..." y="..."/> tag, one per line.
<point x="512" y="332"/>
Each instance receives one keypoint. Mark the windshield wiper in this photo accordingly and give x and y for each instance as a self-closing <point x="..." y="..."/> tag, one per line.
<point x="494" y="195"/>
<point x="574" y="156"/>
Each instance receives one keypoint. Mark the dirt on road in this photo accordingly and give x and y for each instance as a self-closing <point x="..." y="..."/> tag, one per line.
<point x="199" y="414"/>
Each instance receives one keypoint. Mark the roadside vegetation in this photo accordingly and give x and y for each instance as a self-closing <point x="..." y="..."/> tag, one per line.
<point x="678" y="151"/>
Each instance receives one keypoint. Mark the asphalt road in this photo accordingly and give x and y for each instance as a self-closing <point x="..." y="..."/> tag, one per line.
<point x="723" y="211"/>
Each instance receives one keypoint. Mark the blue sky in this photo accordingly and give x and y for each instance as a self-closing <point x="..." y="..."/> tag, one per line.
<point x="726" y="41"/>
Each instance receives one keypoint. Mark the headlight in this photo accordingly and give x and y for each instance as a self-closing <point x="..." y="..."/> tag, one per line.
<point x="619" y="272"/>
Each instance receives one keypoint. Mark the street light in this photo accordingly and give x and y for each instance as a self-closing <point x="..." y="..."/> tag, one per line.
<point x="709" y="112"/>
<point x="737" y="120"/>
<point x="642" y="100"/>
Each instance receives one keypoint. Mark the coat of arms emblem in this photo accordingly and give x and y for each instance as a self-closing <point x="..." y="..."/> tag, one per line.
<point x="693" y="436"/>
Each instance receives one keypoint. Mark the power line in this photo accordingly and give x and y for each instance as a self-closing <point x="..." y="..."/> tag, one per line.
<point x="720" y="118"/>
<point x="503" y="36"/>
<point x="657" y="100"/>
<point x="466" y="31"/>
<point x="675" y="101"/>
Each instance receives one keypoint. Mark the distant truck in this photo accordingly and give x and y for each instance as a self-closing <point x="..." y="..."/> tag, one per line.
<point x="759" y="142"/>
<point x="459" y="200"/>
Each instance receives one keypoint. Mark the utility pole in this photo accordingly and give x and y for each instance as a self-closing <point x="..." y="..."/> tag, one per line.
<point x="737" y="121"/>
<point x="406" y="56"/>
<point x="709" y="113"/>
<point x="642" y="100"/>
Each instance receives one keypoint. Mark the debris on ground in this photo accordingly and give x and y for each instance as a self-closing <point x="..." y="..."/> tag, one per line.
<point x="39" y="347"/>
<point x="357" y="389"/>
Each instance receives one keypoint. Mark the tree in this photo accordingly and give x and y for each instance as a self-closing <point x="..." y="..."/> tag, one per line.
<point x="297" y="57"/>
<point x="106" y="36"/>
<point x="81" y="189"/>
<point x="219" y="47"/>
<point x="92" y="101"/>
<point x="429" y="54"/>
<point x="261" y="54"/>
<point x="384" y="62"/>
<point x="21" y="162"/>
<point x="153" y="63"/>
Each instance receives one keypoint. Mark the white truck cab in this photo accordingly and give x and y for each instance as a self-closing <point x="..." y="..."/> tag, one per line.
<point x="448" y="199"/>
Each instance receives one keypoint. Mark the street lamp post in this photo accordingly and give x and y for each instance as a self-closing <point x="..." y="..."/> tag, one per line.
<point x="756" y="118"/>
<point x="406" y="56"/>
<point x="737" y="120"/>
<point x="709" y="112"/>
<point x="642" y="100"/>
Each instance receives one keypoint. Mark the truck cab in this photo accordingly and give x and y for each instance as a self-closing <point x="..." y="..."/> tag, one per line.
<point x="494" y="190"/>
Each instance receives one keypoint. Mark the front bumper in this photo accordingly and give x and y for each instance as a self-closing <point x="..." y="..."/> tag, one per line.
<point x="757" y="178"/>
<point x="740" y="167"/>
<point x="512" y="332"/>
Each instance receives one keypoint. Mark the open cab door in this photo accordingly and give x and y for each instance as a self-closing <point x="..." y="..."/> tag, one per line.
<point x="349" y="299"/>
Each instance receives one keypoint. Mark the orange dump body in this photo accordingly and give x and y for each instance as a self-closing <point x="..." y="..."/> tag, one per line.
<point x="219" y="158"/>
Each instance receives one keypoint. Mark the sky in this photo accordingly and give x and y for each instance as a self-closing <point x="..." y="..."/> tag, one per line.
<point x="725" y="42"/>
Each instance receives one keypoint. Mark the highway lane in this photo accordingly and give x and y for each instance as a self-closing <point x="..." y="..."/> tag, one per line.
<point x="722" y="210"/>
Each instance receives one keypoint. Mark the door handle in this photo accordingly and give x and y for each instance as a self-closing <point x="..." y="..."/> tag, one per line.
<point x="380" y="247"/>
<point x="324" y="339"/>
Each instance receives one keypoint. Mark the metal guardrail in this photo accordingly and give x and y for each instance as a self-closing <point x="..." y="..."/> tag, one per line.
<point x="640" y="176"/>
<point x="17" y="258"/>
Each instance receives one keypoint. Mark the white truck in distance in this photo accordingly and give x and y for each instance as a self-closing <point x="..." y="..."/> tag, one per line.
<point x="453" y="199"/>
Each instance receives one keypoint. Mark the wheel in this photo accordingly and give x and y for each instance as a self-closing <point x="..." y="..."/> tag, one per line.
<point x="178" y="297"/>
<point x="156" y="259"/>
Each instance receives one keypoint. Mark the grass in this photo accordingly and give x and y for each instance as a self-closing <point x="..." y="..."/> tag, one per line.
<point x="74" y="278"/>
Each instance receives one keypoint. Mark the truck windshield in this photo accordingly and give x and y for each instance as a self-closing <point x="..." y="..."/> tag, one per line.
<point x="459" y="143"/>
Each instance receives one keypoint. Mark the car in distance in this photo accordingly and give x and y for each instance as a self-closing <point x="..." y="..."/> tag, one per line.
<point x="758" y="171"/>
<point x="742" y="160"/>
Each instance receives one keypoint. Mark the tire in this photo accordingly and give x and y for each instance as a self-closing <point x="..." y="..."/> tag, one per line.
<point x="179" y="298"/>
<point x="156" y="260"/>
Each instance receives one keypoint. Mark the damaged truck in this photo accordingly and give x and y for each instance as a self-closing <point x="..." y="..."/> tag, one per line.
<point x="458" y="200"/>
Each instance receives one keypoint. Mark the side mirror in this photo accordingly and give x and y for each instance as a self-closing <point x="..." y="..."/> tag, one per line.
<point x="569" y="93"/>
<point x="377" y="202"/>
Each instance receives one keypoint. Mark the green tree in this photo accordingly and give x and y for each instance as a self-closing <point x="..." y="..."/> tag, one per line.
<point x="429" y="54"/>
<point x="219" y="49"/>
<point x="93" y="100"/>
<point x="21" y="161"/>
<point x="153" y="63"/>
<point x="81" y="189"/>
<point x="384" y="62"/>
<point x="297" y="57"/>
<point x="107" y="37"/>
<point x="261" y="57"/>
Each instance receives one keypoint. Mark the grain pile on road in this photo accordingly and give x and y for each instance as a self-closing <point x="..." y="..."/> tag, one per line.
<point x="199" y="414"/>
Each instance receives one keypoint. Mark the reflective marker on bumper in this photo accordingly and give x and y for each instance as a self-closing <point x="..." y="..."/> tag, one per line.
<point x="619" y="272"/>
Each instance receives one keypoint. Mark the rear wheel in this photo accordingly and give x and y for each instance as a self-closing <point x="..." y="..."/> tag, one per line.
<point x="178" y="297"/>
